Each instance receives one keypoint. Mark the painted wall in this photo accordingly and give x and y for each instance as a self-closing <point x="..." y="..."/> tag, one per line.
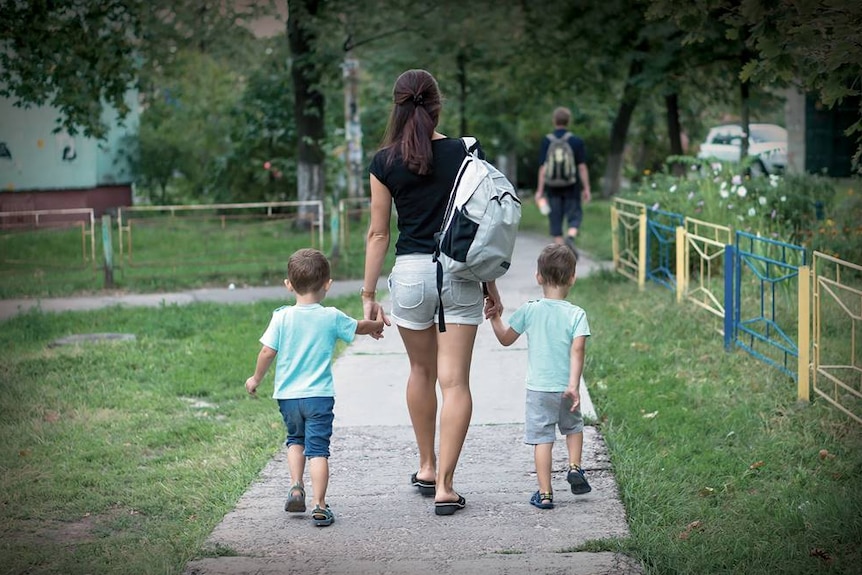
<point x="32" y="157"/>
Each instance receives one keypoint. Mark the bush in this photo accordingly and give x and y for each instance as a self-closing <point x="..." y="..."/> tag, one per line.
<point x="802" y="209"/>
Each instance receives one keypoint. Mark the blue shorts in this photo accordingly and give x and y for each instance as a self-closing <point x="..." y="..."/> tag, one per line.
<point x="547" y="410"/>
<point x="309" y="423"/>
<point x="565" y="203"/>
<point x="413" y="290"/>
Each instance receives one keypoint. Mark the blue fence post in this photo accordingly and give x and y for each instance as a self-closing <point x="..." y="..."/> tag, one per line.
<point x="729" y="299"/>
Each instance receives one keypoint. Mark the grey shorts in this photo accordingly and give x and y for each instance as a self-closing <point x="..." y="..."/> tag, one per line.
<point x="547" y="410"/>
<point x="413" y="290"/>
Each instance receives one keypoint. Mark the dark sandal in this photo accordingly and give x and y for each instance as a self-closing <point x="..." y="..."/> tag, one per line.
<point x="295" y="503"/>
<point x="449" y="507"/>
<point x="577" y="480"/>
<point x="426" y="488"/>
<point x="322" y="517"/>
<point x="539" y="499"/>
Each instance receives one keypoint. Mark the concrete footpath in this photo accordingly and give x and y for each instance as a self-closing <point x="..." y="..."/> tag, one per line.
<point x="383" y="526"/>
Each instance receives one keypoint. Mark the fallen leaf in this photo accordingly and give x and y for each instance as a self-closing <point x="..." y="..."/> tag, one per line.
<point x="824" y="454"/>
<point x="706" y="492"/>
<point x="650" y="415"/>
<point x="820" y="554"/>
<point x="640" y="346"/>
<point x="23" y="453"/>
<point x="756" y="465"/>
<point x="693" y="526"/>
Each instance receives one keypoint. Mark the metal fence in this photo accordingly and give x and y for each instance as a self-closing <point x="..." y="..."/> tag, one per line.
<point x="762" y="289"/>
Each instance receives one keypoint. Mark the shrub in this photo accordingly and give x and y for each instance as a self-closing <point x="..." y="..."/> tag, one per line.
<point x="801" y="209"/>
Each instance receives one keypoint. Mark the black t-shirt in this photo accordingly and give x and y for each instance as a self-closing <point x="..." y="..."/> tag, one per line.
<point x="420" y="201"/>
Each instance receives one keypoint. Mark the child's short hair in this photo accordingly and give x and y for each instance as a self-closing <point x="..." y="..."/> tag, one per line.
<point x="307" y="270"/>
<point x="557" y="264"/>
<point x="562" y="116"/>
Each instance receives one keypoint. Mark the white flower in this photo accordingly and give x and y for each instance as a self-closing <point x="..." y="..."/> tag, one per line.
<point x="752" y="212"/>
<point x="783" y="198"/>
<point x="761" y="200"/>
<point x="654" y="206"/>
<point x="716" y="167"/>
<point x="723" y="193"/>
<point x="690" y="195"/>
<point x="737" y="179"/>
<point x="740" y="218"/>
<point x="652" y="185"/>
<point x="673" y="188"/>
<point x="741" y="192"/>
<point x="723" y="185"/>
<point x="773" y="180"/>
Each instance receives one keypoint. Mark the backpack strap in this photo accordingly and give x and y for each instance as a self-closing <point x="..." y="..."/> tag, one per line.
<point x="471" y="146"/>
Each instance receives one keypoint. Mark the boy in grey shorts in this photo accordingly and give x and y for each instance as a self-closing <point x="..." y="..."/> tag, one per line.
<point x="557" y="331"/>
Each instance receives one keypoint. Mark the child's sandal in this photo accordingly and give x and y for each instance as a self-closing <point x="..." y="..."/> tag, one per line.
<point x="322" y="517"/>
<point x="296" y="499"/>
<point x="542" y="500"/>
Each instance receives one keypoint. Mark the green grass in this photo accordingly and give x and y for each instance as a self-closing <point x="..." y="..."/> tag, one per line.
<point x="176" y="253"/>
<point x="107" y="461"/>
<point x="122" y="457"/>
<point x="719" y="467"/>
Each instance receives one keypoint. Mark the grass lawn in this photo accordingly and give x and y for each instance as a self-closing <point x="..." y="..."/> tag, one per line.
<point x="122" y="457"/>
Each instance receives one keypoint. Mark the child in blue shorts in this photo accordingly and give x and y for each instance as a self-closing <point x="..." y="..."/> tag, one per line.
<point x="302" y="337"/>
<point x="557" y="331"/>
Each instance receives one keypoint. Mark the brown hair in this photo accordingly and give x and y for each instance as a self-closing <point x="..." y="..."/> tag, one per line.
<point x="415" y="112"/>
<point x="307" y="270"/>
<point x="562" y="116"/>
<point x="557" y="264"/>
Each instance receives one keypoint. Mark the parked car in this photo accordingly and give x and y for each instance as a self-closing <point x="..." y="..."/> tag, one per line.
<point x="767" y="143"/>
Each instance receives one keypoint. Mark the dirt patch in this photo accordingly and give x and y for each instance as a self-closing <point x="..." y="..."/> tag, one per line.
<point x="52" y="532"/>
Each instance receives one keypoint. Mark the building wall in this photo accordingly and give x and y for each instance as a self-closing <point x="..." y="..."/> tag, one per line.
<point x="40" y="169"/>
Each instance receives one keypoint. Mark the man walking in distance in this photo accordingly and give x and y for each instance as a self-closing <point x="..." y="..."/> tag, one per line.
<point x="564" y="180"/>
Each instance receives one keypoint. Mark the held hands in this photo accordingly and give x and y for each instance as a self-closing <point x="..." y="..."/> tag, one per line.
<point x="372" y="310"/>
<point x="493" y="302"/>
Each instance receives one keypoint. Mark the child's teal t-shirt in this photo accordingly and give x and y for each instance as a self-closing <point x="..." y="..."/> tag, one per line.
<point x="304" y="336"/>
<point x="551" y="325"/>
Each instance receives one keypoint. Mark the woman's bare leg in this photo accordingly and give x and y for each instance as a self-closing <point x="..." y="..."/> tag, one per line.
<point x="421" y="349"/>
<point x="454" y="354"/>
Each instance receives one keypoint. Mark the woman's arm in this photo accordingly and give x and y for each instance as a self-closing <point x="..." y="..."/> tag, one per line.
<point x="376" y="246"/>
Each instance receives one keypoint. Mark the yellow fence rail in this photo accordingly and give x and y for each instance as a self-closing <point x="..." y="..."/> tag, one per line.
<point x="629" y="231"/>
<point x="701" y="248"/>
<point x="837" y="334"/>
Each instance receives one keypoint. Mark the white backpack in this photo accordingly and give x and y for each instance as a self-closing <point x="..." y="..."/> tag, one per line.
<point x="478" y="234"/>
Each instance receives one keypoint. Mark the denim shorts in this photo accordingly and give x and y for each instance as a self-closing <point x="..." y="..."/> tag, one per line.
<point x="547" y="410"/>
<point x="309" y="423"/>
<point x="413" y="290"/>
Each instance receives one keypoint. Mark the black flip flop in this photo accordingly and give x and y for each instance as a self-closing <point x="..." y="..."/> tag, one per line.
<point x="426" y="488"/>
<point x="449" y="507"/>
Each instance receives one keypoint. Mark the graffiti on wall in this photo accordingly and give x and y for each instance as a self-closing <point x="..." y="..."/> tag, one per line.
<point x="66" y="146"/>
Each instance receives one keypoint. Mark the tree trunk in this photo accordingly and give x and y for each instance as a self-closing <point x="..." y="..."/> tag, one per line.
<point x="745" y="115"/>
<point x="461" y="60"/>
<point x="309" y="104"/>
<point x="620" y="130"/>
<point x="671" y="103"/>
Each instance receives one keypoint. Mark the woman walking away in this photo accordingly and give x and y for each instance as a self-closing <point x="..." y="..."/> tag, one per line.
<point x="416" y="167"/>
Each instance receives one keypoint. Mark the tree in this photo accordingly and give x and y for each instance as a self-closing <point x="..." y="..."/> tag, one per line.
<point x="84" y="55"/>
<point x="75" y="57"/>
<point x="813" y="43"/>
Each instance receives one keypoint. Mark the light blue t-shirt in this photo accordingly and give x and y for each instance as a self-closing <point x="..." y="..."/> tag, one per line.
<point x="551" y="325"/>
<point x="304" y="337"/>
